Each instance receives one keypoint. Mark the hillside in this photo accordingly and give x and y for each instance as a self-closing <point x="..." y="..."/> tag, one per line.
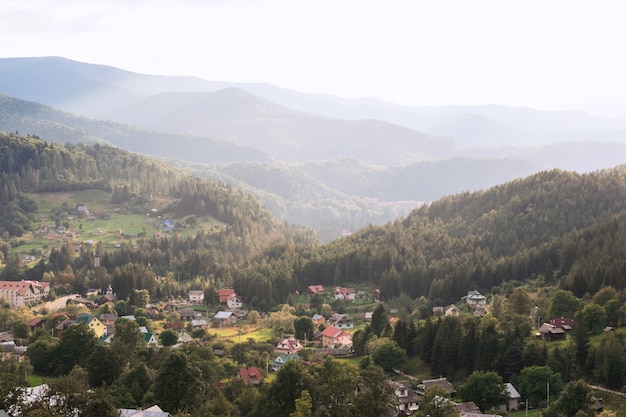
<point x="233" y="223"/>
<point x="360" y="162"/>
<point x="550" y="227"/>
<point x="38" y="120"/>
<point x="287" y="134"/>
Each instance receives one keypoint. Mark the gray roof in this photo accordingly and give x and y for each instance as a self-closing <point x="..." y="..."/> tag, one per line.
<point x="223" y="314"/>
<point x="510" y="389"/>
<point x="154" y="411"/>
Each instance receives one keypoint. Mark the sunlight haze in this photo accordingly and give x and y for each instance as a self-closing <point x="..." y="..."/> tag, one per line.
<point x="545" y="55"/>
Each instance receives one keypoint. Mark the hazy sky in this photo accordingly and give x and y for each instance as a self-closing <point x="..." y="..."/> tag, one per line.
<point x="555" y="54"/>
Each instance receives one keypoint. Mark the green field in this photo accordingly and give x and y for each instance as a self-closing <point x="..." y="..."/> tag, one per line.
<point x="112" y="225"/>
<point x="238" y="334"/>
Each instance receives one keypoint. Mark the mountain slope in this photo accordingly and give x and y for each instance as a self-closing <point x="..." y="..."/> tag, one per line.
<point x="135" y="183"/>
<point x="54" y="125"/>
<point x="289" y="135"/>
<point x="556" y="227"/>
<point x="98" y="90"/>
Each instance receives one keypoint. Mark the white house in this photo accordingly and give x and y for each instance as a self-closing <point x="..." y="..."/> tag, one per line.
<point x="474" y="297"/>
<point x="21" y="293"/>
<point x="234" y="302"/>
<point x="514" y="397"/>
<point x="196" y="296"/>
<point x="341" y="293"/>
<point x="407" y="398"/>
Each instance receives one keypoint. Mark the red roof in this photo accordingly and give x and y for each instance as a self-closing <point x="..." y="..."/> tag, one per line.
<point x="332" y="331"/>
<point x="316" y="289"/>
<point x="23" y="286"/>
<point x="251" y="374"/>
<point x="225" y="293"/>
<point x="35" y="322"/>
<point x="563" y="322"/>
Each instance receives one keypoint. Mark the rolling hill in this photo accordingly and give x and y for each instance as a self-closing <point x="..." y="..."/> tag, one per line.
<point x="363" y="161"/>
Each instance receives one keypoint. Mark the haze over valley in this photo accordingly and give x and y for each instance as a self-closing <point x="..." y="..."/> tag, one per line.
<point x="320" y="161"/>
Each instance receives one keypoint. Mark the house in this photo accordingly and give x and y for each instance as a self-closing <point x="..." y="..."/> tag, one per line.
<point x="177" y="326"/>
<point x="35" y="324"/>
<point x="514" y="397"/>
<point x="442" y="382"/>
<point x="150" y="339"/>
<point x="479" y="310"/>
<point x="282" y="359"/>
<point x="318" y="319"/>
<point x="59" y="328"/>
<point x="196" y="296"/>
<point x="224" y="293"/>
<point x="108" y="297"/>
<point x="341" y="293"/>
<point x="154" y="411"/>
<point x="565" y="323"/>
<point x="451" y="310"/>
<point x="21" y="293"/>
<point x="314" y="289"/>
<point x="93" y="323"/>
<point x="167" y="225"/>
<point x="199" y="324"/>
<point x="474" y="297"/>
<point x="466" y="408"/>
<point x="234" y="302"/>
<point x="550" y="332"/>
<point x="108" y="318"/>
<point x="341" y="321"/>
<point x="288" y="345"/>
<point x="187" y="314"/>
<point x="407" y="399"/>
<point x="224" y="319"/>
<point x="334" y="337"/>
<point x="250" y="375"/>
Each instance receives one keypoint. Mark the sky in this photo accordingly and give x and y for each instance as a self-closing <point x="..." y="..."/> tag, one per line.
<point x="548" y="55"/>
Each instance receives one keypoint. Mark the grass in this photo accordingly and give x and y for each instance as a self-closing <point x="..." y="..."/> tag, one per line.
<point x="98" y="230"/>
<point x="35" y="380"/>
<point x="522" y="413"/>
<point x="241" y="334"/>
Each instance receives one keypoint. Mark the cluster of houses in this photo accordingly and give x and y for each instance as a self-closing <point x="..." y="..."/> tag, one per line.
<point x="24" y="293"/>
<point x="30" y="395"/>
<point x="476" y="302"/>
<point x="103" y="326"/>
<point x="338" y="293"/>
<point x="408" y="398"/>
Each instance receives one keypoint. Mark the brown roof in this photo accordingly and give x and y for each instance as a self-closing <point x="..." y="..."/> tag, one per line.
<point x="442" y="382"/>
<point x="225" y="293"/>
<point x="250" y="374"/>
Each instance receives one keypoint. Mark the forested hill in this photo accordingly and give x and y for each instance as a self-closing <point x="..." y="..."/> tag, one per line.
<point x="554" y="227"/>
<point x="135" y="183"/>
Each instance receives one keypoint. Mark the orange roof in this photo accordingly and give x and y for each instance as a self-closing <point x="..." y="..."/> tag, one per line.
<point x="331" y="331"/>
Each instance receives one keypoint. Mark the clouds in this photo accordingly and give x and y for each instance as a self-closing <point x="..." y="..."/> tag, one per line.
<point x="558" y="54"/>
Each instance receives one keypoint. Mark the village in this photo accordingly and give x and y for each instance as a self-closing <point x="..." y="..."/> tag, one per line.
<point x="328" y="333"/>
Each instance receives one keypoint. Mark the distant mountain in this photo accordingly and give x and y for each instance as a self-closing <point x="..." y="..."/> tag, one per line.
<point x="289" y="135"/>
<point x="98" y="91"/>
<point x="336" y="164"/>
<point x="34" y="119"/>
